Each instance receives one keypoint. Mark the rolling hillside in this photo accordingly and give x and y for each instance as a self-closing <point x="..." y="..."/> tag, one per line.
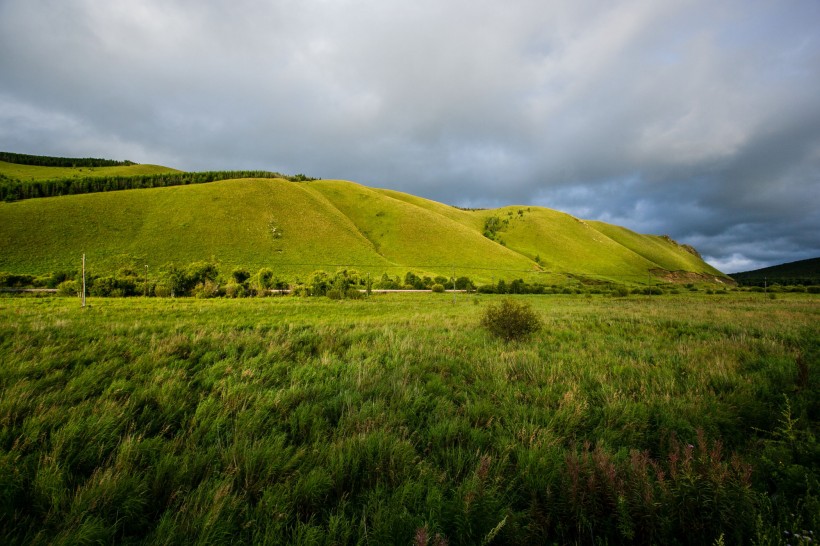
<point x="298" y="227"/>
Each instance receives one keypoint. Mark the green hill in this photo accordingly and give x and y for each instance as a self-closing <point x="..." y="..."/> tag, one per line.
<point x="299" y="227"/>
<point x="805" y="272"/>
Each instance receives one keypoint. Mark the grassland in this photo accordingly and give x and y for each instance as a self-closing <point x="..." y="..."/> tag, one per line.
<point x="396" y="420"/>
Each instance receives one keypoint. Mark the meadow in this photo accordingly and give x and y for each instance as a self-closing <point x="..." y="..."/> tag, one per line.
<point x="674" y="419"/>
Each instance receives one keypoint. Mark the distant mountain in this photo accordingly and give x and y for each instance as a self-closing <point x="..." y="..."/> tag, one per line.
<point x="296" y="227"/>
<point x="802" y="272"/>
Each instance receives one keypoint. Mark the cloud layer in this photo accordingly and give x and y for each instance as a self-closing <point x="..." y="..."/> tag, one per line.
<point x="695" y="119"/>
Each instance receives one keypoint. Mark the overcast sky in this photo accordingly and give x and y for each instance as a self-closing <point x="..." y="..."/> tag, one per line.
<point x="696" y="119"/>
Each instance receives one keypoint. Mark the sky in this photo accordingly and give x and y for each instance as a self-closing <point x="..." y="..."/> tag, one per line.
<point x="695" y="119"/>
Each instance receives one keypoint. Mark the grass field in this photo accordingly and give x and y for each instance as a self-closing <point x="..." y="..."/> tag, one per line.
<point x="686" y="419"/>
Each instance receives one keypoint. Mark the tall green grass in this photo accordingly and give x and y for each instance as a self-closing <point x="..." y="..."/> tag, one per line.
<point x="399" y="420"/>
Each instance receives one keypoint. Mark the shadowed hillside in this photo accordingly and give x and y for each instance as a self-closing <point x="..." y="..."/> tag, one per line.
<point x="801" y="272"/>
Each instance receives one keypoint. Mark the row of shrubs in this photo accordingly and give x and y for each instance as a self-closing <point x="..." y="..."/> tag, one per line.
<point x="204" y="279"/>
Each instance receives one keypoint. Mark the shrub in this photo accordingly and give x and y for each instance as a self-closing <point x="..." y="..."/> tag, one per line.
<point x="263" y="281"/>
<point x="207" y="289"/>
<point x="354" y="294"/>
<point x="301" y="291"/>
<point x="240" y="275"/>
<point x="510" y="320"/>
<point x="68" y="288"/>
<point x="164" y="289"/>
<point x="103" y="287"/>
<point x="334" y="294"/>
<point x="464" y="283"/>
<point x="234" y="290"/>
<point x="198" y="272"/>
<point x="438" y="288"/>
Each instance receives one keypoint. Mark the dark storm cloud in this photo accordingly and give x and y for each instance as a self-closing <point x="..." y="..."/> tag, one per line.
<point x="696" y="119"/>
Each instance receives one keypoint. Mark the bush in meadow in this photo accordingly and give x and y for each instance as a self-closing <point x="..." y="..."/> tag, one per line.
<point x="511" y="320"/>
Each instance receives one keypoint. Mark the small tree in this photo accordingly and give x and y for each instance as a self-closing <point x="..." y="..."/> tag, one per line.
<point x="263" y="281"/>
<point x="240" y="275"/>
<point x="198" y="272"/>
<point x="464" y="283"/>
<point x="68" y="288"/>
<point x="319" y="283"/>
<point x="510" y="320"/>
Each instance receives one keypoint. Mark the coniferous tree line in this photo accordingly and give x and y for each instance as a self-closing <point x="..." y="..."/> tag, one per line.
<point x="46" y="161"/>
<point x="15" y="190"/>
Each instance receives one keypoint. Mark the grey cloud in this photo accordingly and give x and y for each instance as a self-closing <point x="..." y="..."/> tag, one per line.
<point x="692" y="118"/>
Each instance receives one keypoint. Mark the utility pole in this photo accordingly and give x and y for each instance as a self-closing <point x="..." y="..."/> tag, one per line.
<point x="83" y="280"/>
<point x="454" y="285"/>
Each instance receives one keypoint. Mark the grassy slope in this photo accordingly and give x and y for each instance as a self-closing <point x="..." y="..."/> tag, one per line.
<point x="33" y="172"/>
<point x="467" y="218"/>
<point x="325" y="223"/>
<point x="566" y="244"/>
<point x="406" y="233"/>
<point x="230" y="220"/>
<point x="666" y="254"/>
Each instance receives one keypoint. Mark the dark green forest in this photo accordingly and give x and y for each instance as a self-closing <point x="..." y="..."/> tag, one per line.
<point x="47" y="161"/>
<point x="15" y="190"/>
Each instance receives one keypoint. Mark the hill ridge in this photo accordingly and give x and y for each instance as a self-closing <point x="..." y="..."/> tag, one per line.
<point x="297" y="227"/>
